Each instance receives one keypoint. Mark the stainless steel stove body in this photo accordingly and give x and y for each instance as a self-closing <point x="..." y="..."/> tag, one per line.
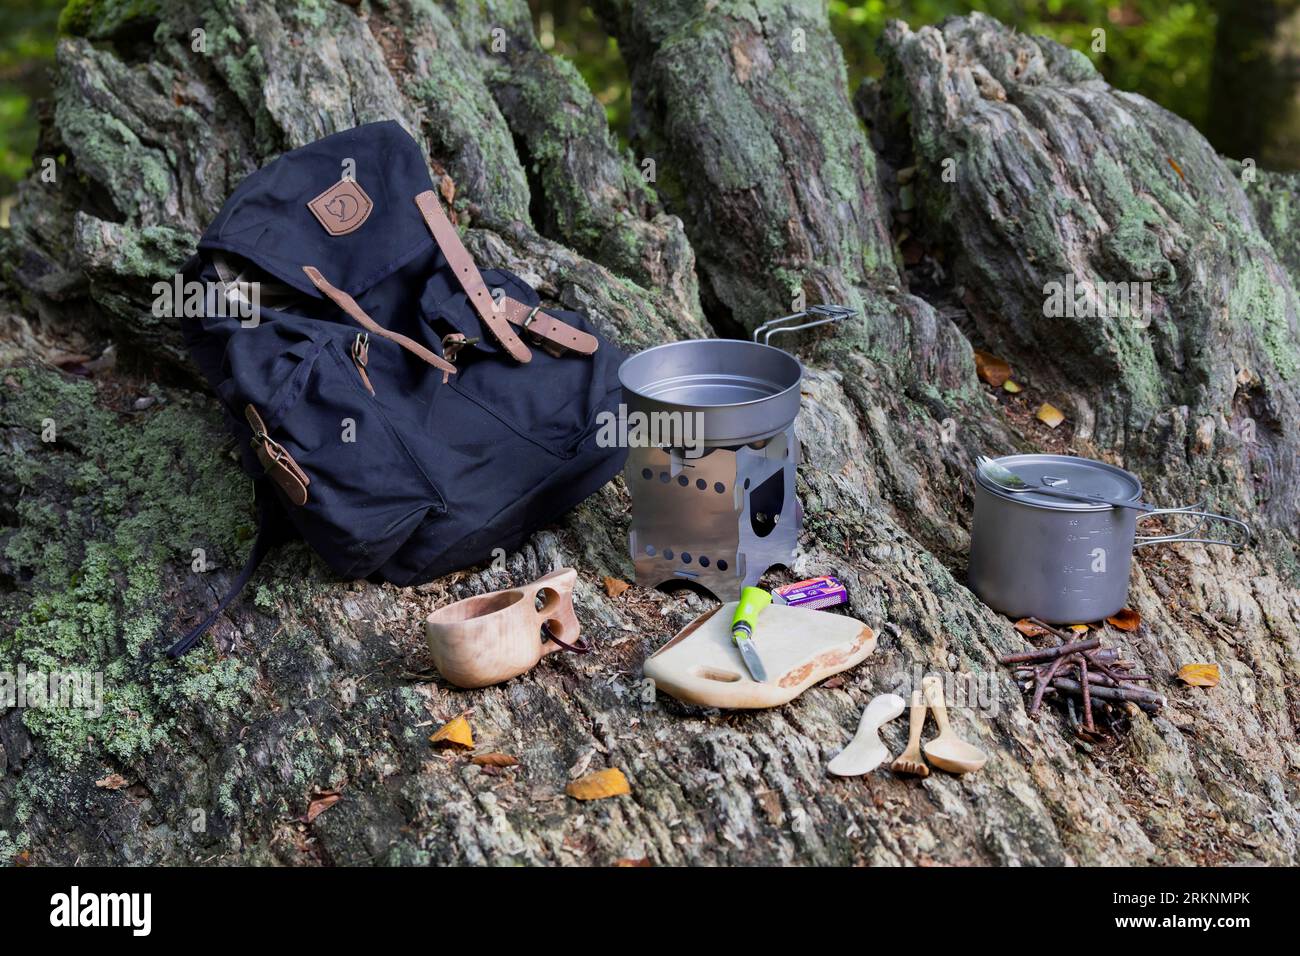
<point x="719" y="520"/>
<point x="722" y="509"/>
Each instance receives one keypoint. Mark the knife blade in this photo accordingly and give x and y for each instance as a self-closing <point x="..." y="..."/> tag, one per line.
<point x="752" y="602"/>
<point x="750" y="656"/>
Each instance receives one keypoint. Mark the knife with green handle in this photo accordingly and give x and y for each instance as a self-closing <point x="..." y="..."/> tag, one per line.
<point x="752" y="602"/>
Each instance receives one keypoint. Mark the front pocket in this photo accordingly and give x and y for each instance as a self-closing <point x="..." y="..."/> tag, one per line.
<point x="549" y="401"/>
<point x="368" y="492"/>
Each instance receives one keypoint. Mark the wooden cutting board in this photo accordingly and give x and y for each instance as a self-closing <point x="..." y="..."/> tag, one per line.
<point x="799" y="647"/>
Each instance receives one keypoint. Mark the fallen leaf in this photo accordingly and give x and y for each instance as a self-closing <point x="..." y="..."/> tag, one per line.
<point x="1199" y="675"/>
<point x="448" y="189"/>
<point x="991" y="369"/>
<point x="1178" y="169"/>
<point x="454" y="732"/>
<point x="1012" y="387"/>
<point x="633" y="861"/>
<point x="322" y="803"/>
<point x="1049" y="415"/>
<point x="23" y="859"/>
<point x="114" y="781"/>
<point x="1030" y="629"/>
<point x="614" y="587"/>
<point x="1126" y="619"/>
<point x="494" y="759"/>
<point x="1079" y="628"/>
<point x="599" y="785"/>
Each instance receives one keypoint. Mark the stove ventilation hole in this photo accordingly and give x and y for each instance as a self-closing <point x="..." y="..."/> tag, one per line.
<point x="765" y="503"/>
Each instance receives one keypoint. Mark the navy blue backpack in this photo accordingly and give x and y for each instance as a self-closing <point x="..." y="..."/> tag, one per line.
<point x="401" y="411"/>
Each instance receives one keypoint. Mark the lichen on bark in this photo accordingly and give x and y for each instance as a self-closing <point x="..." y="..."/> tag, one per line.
<point x="766" y="185"/>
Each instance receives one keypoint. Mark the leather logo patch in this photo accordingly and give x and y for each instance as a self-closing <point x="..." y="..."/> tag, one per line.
<point x="342" y="208"/>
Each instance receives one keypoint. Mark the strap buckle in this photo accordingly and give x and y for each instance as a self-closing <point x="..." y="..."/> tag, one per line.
<point x="361" y="349"/>
<point x="453" y="342"/>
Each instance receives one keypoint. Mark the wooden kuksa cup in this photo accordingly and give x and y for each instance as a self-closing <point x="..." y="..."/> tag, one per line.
<point x="493" y="637"/>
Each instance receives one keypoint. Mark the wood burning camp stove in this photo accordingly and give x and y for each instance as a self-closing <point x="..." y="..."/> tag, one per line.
<point x="721" y="509"/>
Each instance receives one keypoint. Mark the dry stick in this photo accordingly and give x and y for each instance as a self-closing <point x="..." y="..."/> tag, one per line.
<point x="1043" y="680"/>
<point x="1087" y="693"/>
<point x="1104" y="669"/>
<point x="1093" y="677"/>
<point x="1051" y="630"/>
<point x="1050" y="653"/>
<point x="1066" y="693"/>
<point x="1139" y="695"/>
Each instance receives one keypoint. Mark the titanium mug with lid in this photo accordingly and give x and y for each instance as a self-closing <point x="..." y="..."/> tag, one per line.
<point x="1061" y="561"/>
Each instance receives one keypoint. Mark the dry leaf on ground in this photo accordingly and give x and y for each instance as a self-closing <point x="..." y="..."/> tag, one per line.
<point x="599" y="785"/>
<point x="322" y="803"/>
<point x="614" y="587"/>
<point x="1126" y="619"/>
<point x="494" y="759"/>
<point x="1030" y="629"/>
<point x="114" y="781"/>
<point x="634" y="861"/>
<point x="991" y="369"/>
<point x="1199" y="675"/>
<point x="1012" y="387"/>
<point x="1049" y="415"/>
<point x="454" y="732"/>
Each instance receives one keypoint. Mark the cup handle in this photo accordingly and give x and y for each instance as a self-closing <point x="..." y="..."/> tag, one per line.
<point x="1187" y="536"/>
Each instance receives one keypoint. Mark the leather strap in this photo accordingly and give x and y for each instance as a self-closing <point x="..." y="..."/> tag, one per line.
<point x="498" y="316"/>
<point x="349" y="305"/>
<point x="279" y="464"/>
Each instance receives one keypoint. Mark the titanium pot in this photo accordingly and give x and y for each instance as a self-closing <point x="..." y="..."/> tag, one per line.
<point x="1062" y="561"/>
<point x="745" y="391"/>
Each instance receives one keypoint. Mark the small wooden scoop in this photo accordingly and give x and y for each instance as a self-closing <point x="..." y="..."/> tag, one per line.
<point x="948" y="751"/>
<point x="865" y="752"/>
<point x="909" y="761"/>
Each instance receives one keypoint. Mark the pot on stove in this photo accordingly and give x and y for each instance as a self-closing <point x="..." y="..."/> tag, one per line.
<point x="1061" y="561"/>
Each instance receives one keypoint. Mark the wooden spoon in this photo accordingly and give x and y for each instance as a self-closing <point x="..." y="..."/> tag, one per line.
<point x="910" y="760"/>
<point x="948" y="751"/>
<point x="865" y="752"/>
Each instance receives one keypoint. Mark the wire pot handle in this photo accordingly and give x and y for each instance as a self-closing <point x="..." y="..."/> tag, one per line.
<point x="1187" y="536"/>
<point x="820" y="314"/>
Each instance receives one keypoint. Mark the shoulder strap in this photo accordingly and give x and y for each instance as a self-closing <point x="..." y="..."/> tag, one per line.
<point x="268" y="535"/>
<point x="498" y="316"/>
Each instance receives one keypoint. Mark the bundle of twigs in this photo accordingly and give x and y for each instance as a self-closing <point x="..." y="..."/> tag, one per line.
<point x="1081" y="669"/>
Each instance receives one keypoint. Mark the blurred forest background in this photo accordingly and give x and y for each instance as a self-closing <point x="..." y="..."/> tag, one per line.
<point x="1231" y="67"/>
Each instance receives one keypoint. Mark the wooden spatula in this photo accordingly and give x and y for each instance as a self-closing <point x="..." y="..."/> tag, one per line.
<point x="948" y="751"/>
<point x="910" y="761"/>
<point x="865" y="751"/>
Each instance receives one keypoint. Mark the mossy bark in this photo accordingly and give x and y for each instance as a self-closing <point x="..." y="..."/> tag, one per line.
<point x="765" y="185"/>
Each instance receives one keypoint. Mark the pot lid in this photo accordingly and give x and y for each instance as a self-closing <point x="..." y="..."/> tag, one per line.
<point x="1081" y="475"/>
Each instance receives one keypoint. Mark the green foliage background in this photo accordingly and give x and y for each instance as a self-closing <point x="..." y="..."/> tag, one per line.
<point x="1160" y="49"/>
